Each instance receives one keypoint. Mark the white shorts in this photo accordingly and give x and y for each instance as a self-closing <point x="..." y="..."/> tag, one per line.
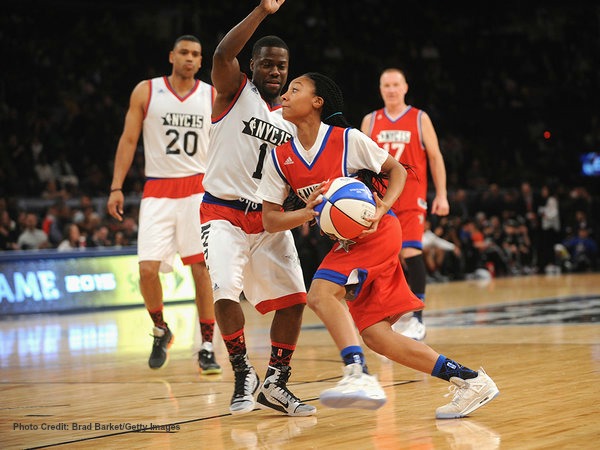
<point x="168" y="226"/>
<point x="265" y="266"/>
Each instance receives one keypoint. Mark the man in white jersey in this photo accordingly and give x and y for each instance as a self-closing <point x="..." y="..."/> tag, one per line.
<point x="174" y="114"/>
<point x="240" y="254"/>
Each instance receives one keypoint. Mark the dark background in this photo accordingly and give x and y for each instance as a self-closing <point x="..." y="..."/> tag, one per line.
<point x="494" y="76"/>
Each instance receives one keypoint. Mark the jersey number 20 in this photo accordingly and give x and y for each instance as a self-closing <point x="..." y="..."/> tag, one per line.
<point x="190" y="142"/>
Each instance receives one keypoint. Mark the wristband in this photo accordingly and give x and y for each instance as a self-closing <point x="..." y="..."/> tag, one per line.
<point x="115" y="190"/>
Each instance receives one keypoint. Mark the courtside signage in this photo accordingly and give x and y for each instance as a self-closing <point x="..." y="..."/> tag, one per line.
<point x="54" y="283"/>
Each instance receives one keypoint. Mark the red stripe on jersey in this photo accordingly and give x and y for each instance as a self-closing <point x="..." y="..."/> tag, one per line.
<point x="173" y="187"/>
<point x="250" y="222"/>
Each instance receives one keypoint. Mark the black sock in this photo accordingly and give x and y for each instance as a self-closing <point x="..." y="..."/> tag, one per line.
<point x="446" y="368"/>
<point x="354" y="354"/>
<point x="416" y="274"/>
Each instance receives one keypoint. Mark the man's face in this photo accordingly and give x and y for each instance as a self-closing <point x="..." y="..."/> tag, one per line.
<point x="186" y="58"/>
<point x="393" y="87"/>
<point x="270" y="71"/>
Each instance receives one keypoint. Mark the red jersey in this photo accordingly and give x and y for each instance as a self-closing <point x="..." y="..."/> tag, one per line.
<point x="403" y="139"/>
<point x="370" y="266"/>
<point x="303" y="178"/>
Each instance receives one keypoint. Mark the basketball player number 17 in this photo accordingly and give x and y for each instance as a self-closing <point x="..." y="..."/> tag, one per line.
<point x="395" y="149"/>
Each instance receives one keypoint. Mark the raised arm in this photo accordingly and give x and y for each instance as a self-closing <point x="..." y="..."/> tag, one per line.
<point x="226" y="75"/>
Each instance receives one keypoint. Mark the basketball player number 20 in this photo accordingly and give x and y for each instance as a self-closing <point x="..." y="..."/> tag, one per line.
<point x="190" y="143"/>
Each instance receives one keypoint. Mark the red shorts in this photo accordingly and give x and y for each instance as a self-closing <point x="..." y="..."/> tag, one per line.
<point x="413" y="227"/>
<point x="373" y="265"/>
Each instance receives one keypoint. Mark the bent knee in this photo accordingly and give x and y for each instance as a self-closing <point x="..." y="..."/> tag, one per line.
<point x="312" y="300"/>
<point x="148" y="270"/>
<point x="371" y="342"/>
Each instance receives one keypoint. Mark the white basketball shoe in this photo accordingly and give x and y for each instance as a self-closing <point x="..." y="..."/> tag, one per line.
<point x="468" y="395"/>
<point x="355" y="390"/>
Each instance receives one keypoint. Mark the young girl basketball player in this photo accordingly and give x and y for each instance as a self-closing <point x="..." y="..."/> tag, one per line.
<point x="367" y="271"/>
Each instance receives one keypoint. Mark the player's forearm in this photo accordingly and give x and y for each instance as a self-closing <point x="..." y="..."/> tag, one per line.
<point x="123" y="161"/>
<point x="275" y="221"/>
<point x="235" y="40"/>
<point x="438" y="175"/>
<point x="397" y="179"/>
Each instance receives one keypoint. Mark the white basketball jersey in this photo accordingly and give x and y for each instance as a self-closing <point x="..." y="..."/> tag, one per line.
<point x="176" y="130"/>
<point x="241" y="139"/>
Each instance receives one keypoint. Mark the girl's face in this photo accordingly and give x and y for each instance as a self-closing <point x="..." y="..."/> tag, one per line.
<point x="300" y="101"/>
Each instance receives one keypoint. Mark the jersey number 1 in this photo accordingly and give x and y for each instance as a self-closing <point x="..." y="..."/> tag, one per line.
<point x="261" y="160"/>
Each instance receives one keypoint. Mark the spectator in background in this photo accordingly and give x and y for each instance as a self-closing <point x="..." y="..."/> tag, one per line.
<point x="491" y="201"/>
<point x="436" y="251"/>
<point x="53" y="191"/>
<point x="84" y="208"/>
<point x="129" y="228"/>
<point x="73" y="239"/>
<point x="476" y="178"/>
<point x="120" y="240"/>
<point x="8" y="232"/>
<point x="52" y="225"/>
<point x="583" y="251"/>
<point x="550" y="228"/>
<point x="43" y="170"/>
<point x="527" y="202"/>
<point x="32" y="238"/>
<point x="64" y="172"/>
<point x="494" y="257"/>
<point x="516" y="246"/>
<point x="100" y="237"/>
<point x="448" y="228"/>
<point x="459" y="204"/>
<point x="472" y="245"/>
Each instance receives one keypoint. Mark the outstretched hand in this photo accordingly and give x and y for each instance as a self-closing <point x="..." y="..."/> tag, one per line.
<point x="271" y="6"/>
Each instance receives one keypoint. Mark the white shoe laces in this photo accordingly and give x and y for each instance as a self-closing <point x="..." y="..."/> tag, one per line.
<point x="457" y="390"/>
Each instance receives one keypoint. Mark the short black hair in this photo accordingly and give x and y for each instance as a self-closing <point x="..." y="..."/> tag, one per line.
<point x="268" y="41"/>
<point x="186" y="37"/>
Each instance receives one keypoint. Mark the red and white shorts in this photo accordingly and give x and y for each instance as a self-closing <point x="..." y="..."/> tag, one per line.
<point x="168" y="226"/>
<point x="373" y="265"/>
<point x="241" y="256"/>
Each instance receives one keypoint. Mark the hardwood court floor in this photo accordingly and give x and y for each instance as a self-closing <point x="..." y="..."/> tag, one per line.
<point x="82" y="381"/>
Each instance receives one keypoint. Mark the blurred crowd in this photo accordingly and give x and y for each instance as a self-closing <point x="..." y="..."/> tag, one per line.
<point x="512" y="92"/>
<point x="500" y="231"/>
